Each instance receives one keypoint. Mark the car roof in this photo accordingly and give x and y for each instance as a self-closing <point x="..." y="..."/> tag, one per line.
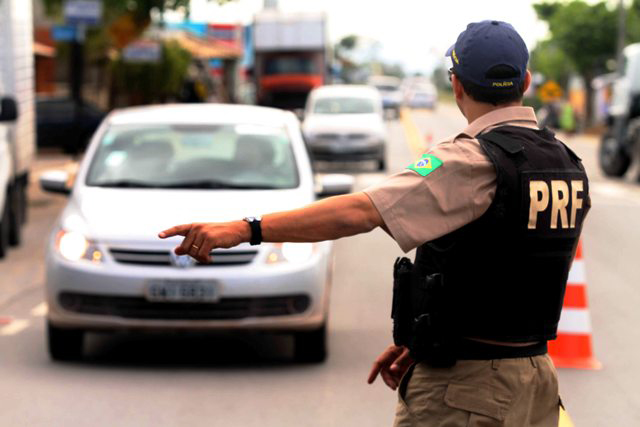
<point x="198" y="114"/>
<point x="345" y="90"/>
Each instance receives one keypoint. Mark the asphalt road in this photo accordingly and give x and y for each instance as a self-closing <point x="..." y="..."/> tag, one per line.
<point x="194" y="380"/>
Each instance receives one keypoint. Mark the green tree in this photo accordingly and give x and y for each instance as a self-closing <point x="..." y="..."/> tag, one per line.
<point x="141" y="9"/>
<point x="551" y="61"/>
<point x="153" y="82"/>
<point x="584" y="33"/>
<point x="633" y="23"/>
<point x="145" y="82"/>
<point x="440" y="78"/>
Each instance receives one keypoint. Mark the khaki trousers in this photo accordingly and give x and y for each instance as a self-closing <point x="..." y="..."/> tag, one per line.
<point x="518" y="392"/>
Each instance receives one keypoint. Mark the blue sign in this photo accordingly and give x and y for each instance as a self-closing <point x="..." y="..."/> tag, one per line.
<point x="63" y="33"/>
<point x="82" y="12"/>
<point x="142" y="51"/>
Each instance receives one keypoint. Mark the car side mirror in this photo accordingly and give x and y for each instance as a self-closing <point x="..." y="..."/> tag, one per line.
<point x="56" y="181"/>
<point x="8" y="110"/>
<point x="334" y="184"/>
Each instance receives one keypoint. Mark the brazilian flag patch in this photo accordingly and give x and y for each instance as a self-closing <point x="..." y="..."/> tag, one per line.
<point x="427" y="164"/>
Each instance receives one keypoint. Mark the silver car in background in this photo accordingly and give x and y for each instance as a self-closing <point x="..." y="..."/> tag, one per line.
<point x="150" y="168"/>
<point x="390" y="91"/>
<point x="345" y="123"/>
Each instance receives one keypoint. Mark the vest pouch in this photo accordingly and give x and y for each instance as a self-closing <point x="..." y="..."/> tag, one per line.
<point x="431" y="340"/>
<point x="401" y="309"/>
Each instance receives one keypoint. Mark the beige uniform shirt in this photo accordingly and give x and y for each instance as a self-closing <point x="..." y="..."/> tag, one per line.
<point x="417" y="209"/>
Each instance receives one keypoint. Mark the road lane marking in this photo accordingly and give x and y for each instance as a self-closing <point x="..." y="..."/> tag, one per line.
<point x="15" y="327"/>
<point x="617" y="191"/>
<point x="565" y="420"/>
<point x="412" y="133"/>
<point x="39" y="310"/>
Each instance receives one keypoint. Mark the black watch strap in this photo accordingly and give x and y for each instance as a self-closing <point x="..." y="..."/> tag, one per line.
<point x="255" y="223"/>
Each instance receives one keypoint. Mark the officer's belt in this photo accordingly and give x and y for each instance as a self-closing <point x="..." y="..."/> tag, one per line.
<point x="465" y="349"/>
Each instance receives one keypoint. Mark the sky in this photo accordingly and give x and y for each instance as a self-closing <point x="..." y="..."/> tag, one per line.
<point x="415" y="33"/>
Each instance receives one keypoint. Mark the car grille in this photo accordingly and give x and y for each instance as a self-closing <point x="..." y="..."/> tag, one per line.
<point x="357" y="136"/>
<point x="128" y="256"/>
<point x="328" y="136"/>
<point x="344" y="137"/>
<point x="224" y="309"/>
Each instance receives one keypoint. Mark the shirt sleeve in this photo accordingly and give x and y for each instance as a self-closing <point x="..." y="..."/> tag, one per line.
<point x="417" y="209"/>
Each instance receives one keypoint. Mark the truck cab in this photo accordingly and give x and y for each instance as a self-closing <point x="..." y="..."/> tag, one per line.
<point x="621" y="143"/>
<point x="290" y="57"/>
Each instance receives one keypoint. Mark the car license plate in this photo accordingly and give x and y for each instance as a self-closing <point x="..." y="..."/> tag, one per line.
<point x="182" y="291"/>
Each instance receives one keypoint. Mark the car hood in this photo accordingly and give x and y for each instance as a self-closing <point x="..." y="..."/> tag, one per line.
<point x="344" y="123"/>
<point x="132" y="215"/>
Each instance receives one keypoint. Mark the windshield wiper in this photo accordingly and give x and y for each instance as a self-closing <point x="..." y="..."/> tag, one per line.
<point x="204" y="184"/>
<point x="126" y="183"/>
<point x="214" y="184"/>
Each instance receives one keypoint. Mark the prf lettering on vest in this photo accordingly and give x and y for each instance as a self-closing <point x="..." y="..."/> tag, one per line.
<point x="560" y="194"/>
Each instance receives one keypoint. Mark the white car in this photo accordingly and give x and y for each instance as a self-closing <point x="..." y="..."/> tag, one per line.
<point x="345" y="123"/>
<point x="390" y="91"/>
<point x="149" y="168"/>
<point x="423" y="95"/>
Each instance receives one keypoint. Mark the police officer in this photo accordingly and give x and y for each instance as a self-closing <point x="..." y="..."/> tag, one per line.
<point x="495" y="214"/>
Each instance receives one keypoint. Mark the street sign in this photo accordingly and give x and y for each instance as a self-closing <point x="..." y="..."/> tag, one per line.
<point x="82" y="12"/>
<point x="63" y="33"/>
<point x="142" y="51"/>
<point x="550" y="91"/>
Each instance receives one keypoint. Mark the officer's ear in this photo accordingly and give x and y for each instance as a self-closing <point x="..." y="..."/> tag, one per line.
<point x="458" y="90"/>
<point x="527" y="81"/>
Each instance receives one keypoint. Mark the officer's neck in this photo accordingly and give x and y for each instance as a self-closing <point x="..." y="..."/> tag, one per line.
<point x="472" y="109"/>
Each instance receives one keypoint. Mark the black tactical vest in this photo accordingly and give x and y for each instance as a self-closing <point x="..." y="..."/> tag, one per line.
<point x="504" y="274"/>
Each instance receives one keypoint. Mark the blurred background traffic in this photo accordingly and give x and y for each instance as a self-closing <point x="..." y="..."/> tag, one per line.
<point x="120" y="118"/>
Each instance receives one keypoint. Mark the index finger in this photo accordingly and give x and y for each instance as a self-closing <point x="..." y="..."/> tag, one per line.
<point x="178" y="230"/>
<point x="375" y="370"/>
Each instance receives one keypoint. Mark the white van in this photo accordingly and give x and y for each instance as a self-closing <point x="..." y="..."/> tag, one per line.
<point x="17" y="123"/>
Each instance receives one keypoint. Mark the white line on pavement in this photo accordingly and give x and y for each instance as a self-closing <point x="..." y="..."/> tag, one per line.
<point x="15" y="327"/>
<point x="616" y="191"/>
<point x="39" y="310"/>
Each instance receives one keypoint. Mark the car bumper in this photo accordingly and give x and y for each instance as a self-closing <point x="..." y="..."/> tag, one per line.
<point x="111" y="296"/>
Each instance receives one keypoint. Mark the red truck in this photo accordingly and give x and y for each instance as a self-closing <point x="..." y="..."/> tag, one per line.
<point x="290" y="57"/>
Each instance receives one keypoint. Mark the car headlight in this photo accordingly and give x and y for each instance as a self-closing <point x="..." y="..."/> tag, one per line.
<point x="290" y="252"/>
<point x="73" y="246"/>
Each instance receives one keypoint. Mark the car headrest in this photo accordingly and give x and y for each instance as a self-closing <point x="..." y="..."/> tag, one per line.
<point x="249" y="145"/>
<point x="160" y="149"/>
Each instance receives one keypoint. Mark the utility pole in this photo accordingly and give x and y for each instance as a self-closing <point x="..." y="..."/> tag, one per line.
<point x="76" y="67"/>
<point x="622" y="32"/>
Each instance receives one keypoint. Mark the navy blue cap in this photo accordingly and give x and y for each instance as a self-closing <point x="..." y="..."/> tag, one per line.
<point x="484" y="45"/>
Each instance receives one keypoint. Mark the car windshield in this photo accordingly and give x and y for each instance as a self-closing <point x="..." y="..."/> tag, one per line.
<point x="343" y="106"/>
<point x="289" y="65"/>
<point x="242" y="156"/>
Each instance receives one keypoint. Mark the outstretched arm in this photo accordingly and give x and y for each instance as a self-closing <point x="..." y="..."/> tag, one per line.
<point x="327" y="219"/>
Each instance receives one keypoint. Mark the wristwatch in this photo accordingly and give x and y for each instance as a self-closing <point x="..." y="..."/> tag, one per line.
<point x="256" y="229"/>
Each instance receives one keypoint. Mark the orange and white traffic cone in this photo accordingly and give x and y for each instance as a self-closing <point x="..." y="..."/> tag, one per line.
<point x="573" y="347"/>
